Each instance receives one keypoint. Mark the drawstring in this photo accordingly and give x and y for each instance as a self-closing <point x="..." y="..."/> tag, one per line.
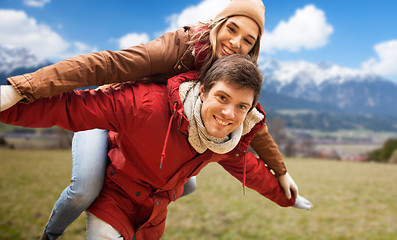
<point x="244" y="173"/>
<point x="168" y="133"/>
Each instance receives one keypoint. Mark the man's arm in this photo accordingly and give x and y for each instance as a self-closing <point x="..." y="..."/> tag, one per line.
<point x="75" y="111"/>
<point x="258" y="177"/>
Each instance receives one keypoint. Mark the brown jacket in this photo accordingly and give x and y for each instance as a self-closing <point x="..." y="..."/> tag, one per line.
<point x="158" y="60"/>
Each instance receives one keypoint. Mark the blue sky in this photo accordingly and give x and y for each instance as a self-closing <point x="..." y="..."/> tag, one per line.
<point x="357" y="34"/>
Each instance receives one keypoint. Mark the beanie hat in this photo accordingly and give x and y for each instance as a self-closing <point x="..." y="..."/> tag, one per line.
<point x="253" y="9"/>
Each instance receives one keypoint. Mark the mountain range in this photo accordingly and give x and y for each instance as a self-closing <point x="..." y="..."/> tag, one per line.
<point x="17" y="61"/>
<point x="314" y="87"/>
<point x="326" y="87"/>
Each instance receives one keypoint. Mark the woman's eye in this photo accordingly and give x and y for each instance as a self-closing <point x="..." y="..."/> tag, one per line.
<point x="232" y="29"/>
<point x="248" y="41"/>
<point x="243" y="107"/>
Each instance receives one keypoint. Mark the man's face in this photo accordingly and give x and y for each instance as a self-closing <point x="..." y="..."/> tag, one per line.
<point x="225" y="107"/>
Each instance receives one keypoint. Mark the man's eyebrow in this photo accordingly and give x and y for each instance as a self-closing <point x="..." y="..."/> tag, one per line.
<point x="235" y="24"/>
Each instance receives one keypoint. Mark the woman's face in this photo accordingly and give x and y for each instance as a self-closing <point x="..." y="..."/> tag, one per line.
<point x="225" y="107"/>
<point x="237" y="35"/>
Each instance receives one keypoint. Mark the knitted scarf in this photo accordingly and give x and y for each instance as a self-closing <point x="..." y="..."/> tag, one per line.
<point x="199" y="138"/>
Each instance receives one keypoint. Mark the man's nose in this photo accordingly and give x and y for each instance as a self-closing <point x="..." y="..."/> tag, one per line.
<point x="228" y="112"/>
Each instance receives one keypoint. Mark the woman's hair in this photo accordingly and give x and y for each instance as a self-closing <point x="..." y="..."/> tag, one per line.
<point x="206" y="39"/>
<point x="237" y="69"/>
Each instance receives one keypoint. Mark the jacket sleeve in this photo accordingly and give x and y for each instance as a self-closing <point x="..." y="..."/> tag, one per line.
<point x="153" y="58"/>
<point x="258" y="178"/>
<point x="267" y="150"/>
<point x="75" y="111"/>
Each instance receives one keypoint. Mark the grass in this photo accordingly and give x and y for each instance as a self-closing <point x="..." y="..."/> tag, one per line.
<point x="351" y="201"/>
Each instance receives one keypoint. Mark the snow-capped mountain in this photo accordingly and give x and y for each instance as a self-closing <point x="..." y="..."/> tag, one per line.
<point x="13" y="58"/>
<point x="352" y="91"/>
<point x="15" y="61"/>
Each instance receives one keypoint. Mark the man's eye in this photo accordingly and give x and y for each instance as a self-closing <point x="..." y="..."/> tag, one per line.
<point x="222" y="98"/>
<point x="243" y="107"/>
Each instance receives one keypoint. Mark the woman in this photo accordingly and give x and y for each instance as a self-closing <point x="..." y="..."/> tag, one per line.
<point x="236" y="29"/>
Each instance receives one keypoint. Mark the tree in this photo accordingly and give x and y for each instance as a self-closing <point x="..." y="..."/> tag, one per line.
<point x="385" y="153"/>
<point x="388" y="148"/>
<point x="393" y="158"/>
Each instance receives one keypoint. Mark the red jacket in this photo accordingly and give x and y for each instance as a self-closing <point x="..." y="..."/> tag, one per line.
<point x="136" y="191"/>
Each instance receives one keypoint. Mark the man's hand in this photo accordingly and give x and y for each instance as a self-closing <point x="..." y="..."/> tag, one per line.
<point x="288" y="184"/>
<point x="302" y="203"/>
<point x="8" y="97"/>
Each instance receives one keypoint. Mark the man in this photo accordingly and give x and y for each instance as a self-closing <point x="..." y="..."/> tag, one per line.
<point x="161" y="135"/>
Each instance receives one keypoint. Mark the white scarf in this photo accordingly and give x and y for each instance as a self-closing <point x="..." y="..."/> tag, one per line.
<point x="199" y="138"/>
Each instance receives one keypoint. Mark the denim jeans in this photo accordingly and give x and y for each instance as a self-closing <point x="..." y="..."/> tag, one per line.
<point x="100" y="230"/>
<point x="89" y="152"/>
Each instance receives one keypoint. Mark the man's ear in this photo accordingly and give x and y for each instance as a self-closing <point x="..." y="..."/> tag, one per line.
<point x="201" y="92"/>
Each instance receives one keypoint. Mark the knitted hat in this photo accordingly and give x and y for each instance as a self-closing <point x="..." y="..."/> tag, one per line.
<point x="253" y="9"/>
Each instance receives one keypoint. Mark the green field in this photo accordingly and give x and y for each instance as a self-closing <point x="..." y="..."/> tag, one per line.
<point x="351" y="201"/>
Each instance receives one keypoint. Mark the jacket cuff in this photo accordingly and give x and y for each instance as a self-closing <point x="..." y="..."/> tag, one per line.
<point x="22" y="85"/>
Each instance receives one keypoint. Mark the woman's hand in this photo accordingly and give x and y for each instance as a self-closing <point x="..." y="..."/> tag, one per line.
<point x="288" y="184"/>
<point x="8" y="97"/>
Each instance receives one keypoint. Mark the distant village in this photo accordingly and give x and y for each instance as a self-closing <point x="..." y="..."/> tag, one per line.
<point x="302" y="143"/>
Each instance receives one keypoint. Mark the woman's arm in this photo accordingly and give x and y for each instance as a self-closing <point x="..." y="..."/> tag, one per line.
<point x="153" y="58"/>
<point x="264" y="145"/>
<point x="267" y="150"/>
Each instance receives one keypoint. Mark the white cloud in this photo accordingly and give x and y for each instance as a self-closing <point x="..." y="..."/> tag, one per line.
<point x="386" y="63"/>
<point x="17" y="30"/>
<point x="132" y="39"/>
<point x="77" y="48"/>
<point x="307" y="29"/>
<point x="204" y="11"/>
<point x="20" y="31"/>
<point x="36" y="3"/>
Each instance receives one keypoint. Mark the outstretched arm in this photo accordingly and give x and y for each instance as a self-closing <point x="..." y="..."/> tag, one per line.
<point x="257" y="177"/>
<point x="95" y="69"/>
<point x="75" y="111"/>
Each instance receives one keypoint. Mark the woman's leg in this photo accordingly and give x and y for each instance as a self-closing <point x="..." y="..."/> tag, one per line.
<point x="100" y="230"/>
<point x="89" y="153"/>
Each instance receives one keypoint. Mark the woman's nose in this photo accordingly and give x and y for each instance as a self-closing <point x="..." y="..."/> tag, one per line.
<point x="235" y="42"/>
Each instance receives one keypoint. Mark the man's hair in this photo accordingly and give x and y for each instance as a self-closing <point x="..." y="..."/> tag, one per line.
<point x="236" y="69"/>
